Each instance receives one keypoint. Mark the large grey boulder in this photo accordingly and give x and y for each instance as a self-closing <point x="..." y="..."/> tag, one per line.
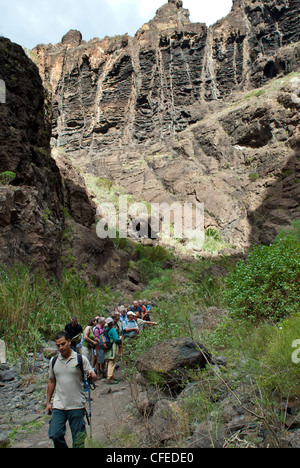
<point x="168" y="362"/>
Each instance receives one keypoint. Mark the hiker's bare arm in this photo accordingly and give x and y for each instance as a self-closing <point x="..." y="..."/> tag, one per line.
<point x="50" y="391"/>
<point x="87" y="370"/>
<point x="87" y="338"/>
<point x="127" y="330"/>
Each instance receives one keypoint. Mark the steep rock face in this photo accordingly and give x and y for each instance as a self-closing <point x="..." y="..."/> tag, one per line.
<point x="120" y="104"/>
<point x="33" y="226"/>
<point x="151" y="85"/>
<point x="31" y="218"/>
<point x="243" y="163"/>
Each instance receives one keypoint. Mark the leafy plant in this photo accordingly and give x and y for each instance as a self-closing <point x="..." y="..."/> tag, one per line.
<point x="266" y="286"/>
<point x="7" y="177"/>
<point x="254" y="176"/>
<point x="263" y="351"/>
<point x="213" y="241"/>
<point x="153" y="254"/>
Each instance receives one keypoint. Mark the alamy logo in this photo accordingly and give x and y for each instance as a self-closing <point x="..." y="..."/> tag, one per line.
<point x="2" y="92"/>
<point x="2" y="352"/>
<point x="296" y="353"/>
<point x="141" y="220"/>
<point x="296" y="93"/>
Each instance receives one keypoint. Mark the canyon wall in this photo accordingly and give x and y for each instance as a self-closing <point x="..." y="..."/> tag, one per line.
<point x="155" y="112"/>
<point x="31" y="216"/>
<point x="46" y="217"/>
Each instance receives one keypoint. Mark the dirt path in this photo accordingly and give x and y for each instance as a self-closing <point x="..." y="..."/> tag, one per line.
<point x="109" y="403"/>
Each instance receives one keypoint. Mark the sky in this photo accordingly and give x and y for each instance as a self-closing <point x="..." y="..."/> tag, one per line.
<point x="32" y="22"/>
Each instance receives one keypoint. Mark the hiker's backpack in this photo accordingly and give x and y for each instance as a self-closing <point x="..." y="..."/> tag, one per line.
<point x="105" y="341"/>
<point x="80" y="364"/>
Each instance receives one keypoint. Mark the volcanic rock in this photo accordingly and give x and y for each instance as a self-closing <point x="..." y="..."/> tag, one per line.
<point x="31" y="217"/>
<point x="171" y="358"/>
<point x="170" y="114"/>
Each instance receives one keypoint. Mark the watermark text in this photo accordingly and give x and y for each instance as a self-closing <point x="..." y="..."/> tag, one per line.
<point x="296" y="353"/>
<point x="143" y="220"/>
<point x="296" y="93"/>
<point x="2" y="352"/>
<point x="2" y="92"/>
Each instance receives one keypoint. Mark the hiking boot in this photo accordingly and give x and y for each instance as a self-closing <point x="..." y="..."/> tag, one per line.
<point x="112" y="382"/>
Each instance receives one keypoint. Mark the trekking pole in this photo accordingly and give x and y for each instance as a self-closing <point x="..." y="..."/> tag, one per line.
<point x="124" y="363"/>
<point x="90" y="409"/>
<point x="88" y="384"/>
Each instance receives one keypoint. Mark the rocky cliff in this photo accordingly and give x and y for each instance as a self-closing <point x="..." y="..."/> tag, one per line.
<point x="31" y="217"/>
<point x="168" y="115"/>
<point x="46" y="216"/>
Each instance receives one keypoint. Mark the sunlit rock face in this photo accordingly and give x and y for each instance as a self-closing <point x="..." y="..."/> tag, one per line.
<point x="144" y="111"/>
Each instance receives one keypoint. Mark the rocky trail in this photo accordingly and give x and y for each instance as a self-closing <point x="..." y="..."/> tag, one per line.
<point x="22" y="412"/>
<point x="136" y="413"/>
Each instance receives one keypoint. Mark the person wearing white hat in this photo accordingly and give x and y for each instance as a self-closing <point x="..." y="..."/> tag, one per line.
<point x="130" y="328"/>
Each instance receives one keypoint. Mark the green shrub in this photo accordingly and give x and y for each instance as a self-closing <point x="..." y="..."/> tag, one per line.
<point x="254" y="176"/>
<point x="213" y="241"/>
<point x="213" y="233"/>
<point x="7" y="177"/>
<point x="153" y="254"/>
<point x="121" y="243"/>
<point x="148" y="270"/>
<point x="149" y="261"/>
<point x="255" y="93"/>
<point x="280" y="374"/>
<point x="266" y="286"/>
<point x="104" y="183"/>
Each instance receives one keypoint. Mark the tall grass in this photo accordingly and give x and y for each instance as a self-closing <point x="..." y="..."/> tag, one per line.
<point x="33" y="307"/>
<point x="263" y="352"/>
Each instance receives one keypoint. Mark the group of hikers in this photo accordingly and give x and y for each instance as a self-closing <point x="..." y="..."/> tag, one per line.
<point x="100" y="341"/>
<point x="85" y="355"/>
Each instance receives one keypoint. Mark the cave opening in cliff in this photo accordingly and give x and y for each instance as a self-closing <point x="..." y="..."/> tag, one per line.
<point x="139" y="229"/>
<point x="272" y="69"/>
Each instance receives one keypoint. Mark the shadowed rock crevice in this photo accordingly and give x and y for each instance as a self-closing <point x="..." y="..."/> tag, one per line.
<point x="280" y="206"/>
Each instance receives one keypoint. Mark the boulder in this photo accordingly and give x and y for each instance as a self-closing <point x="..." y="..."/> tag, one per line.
<point x="208" y="434"/>
<point x="170" y="360"/>
<point x="8" y="376"/>
<point x="4" y="440"/>
<point x="168" y="422"/>
<point x="72" y="38"/>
